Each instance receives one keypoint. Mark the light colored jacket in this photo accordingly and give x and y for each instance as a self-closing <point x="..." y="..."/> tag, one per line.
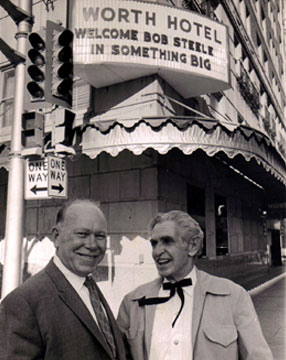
<point x="224" y="323"/>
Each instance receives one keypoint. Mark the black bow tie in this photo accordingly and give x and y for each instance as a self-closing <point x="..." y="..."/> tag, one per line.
<point x="172" y="287"/>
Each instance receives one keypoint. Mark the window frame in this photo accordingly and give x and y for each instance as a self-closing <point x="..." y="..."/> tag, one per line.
<point x="6" y="99"/>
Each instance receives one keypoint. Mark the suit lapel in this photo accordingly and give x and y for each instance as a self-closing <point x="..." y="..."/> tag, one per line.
<point x="70" y="297"/>
<point x="149" y="311"/>
<point x="114" y="327"/>
<point x="149" y="322"/>
<point x="199" y="301"/>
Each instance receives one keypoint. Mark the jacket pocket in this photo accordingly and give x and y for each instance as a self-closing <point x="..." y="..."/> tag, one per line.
<point x="222" y="334"/>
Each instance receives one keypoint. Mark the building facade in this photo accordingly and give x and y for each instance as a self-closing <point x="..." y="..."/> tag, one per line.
<point x="151" y="138"/>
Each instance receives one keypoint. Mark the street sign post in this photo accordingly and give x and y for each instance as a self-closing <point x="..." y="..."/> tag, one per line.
<point x="45" y="178"/>
<point x="57" y="179"/>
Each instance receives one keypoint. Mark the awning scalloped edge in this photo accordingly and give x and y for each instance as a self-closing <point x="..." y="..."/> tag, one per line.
<point x="5" y="166"/>
<point x="187" y="150"/>
<point x="4" y="156"/>
<point x="182" y="122"/>
<point x="188" y="141"/>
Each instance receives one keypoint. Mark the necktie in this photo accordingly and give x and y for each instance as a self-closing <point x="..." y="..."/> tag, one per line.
<point x="172" y="287"/>
<point x="100" y="315"/>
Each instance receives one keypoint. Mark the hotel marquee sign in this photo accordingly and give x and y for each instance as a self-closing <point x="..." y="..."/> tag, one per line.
<point x="120" y="40"/>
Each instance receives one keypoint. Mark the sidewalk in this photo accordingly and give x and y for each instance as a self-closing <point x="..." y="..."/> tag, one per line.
<point x="252" y="275"/>
<point x="271" y="310"/>
<point x="247" y="274"/>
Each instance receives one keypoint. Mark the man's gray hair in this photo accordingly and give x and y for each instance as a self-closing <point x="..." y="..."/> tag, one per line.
<point x="188" y="227"/>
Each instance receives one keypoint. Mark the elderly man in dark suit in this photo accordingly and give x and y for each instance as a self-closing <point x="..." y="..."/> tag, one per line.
<point x="60" y="314"/>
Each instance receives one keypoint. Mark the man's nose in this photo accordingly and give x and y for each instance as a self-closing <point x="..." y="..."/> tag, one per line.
<point x="91" y="241"/>
<point x="158" y="249"/>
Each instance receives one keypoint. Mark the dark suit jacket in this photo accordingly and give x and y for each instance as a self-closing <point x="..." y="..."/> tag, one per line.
<point x="45" y="318"/>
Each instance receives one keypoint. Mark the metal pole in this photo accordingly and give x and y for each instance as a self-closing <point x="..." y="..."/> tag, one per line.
<point x="12" y="270"/>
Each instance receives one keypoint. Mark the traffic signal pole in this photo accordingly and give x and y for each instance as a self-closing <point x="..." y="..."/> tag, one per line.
<point x="12" y="271"/>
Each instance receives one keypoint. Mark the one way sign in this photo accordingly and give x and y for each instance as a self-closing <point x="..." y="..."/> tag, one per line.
<point x="45" y="178"/>
<point x="57" y="181"/>
<point x="36" y="179"/>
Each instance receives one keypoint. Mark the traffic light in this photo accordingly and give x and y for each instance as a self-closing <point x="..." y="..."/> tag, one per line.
<point x="59" y="67"/>
<point x="32" y="130"/>
<point x="35" y="95"/>
<point x="63" y="131"/>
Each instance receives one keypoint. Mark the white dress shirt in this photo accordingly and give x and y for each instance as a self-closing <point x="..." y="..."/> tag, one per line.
<point x="167" y="342"/>
<point x="77" y="282"/>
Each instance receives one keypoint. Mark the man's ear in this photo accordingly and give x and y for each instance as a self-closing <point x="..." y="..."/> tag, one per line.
<point x="55" y="236"/>
<point x="194" y="246"/>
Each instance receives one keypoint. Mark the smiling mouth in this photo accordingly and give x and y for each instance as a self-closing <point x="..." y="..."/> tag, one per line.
<point x="87" y="257"/>
<point x="163" y="261"/>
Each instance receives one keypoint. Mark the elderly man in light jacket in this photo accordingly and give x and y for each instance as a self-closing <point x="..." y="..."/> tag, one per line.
<point x="187" y="314"/>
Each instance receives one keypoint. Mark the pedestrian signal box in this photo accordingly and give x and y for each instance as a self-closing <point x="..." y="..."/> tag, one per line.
<point x="32" y="129"/>
<point x="63" y="131"/>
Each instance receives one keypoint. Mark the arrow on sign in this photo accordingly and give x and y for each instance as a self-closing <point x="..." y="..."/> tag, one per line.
<point x="59" y="188"/>
<point x="35" y="189"/>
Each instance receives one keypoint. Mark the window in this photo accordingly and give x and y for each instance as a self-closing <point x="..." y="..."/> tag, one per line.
<point x="81" y="94"/>
<point x="247" y="11"/>
<point x="235" y="40"/>
<point x="243" y="56"/>
<point x="258" y="41"/>
<point x="262" y="13"/>
<point x="240" y="118"/>
<point x="268" y="101"/>
<point x="7" y="99"/>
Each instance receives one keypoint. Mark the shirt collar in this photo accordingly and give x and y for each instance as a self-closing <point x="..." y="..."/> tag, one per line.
<point x="193" y="275"/>
<point x="75" y="280"/>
